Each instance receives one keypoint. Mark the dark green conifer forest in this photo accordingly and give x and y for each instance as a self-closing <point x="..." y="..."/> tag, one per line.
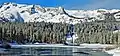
<point x="104" y="32"/>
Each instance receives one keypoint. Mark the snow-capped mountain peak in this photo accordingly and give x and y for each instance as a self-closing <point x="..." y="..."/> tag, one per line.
<point x="13" y="12"/>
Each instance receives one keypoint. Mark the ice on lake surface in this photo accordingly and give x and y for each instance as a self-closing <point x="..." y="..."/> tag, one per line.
<point x="51" y="51"/>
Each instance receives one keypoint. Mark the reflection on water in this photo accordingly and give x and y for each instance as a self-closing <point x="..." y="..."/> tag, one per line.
<point x="45" y="51"/>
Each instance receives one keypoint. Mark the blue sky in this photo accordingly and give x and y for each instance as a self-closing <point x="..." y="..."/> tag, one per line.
<point x="72" y="4"/>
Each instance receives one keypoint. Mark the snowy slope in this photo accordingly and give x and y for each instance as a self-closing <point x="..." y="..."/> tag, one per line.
<point x="12" y="12"/>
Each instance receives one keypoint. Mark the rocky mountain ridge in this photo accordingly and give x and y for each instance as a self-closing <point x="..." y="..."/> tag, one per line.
<point x="12" y="12"/>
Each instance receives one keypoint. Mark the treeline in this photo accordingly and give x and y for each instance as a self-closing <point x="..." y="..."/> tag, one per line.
<point x="104" y="32"/>
<point x="33" y="32"/>
<point x="89" y="32"/>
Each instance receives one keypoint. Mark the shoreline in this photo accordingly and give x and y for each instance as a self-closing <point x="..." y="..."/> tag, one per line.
<point x="63" y="45"/>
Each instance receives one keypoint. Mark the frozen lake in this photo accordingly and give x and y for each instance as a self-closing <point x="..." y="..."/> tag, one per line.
<point x="51" y="51"/>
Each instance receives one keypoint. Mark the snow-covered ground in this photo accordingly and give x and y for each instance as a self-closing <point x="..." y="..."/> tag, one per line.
<point x="62" y="45"/>
<point x="115" y="52"/>
<point x="97" y="45"/>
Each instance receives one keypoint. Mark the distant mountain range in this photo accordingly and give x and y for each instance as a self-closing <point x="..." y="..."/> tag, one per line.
<point x="12" y="12"/>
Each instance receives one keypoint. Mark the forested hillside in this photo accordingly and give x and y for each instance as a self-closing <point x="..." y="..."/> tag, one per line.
<point x="98" y="32"/>
<point x="32" y="32"/>
<point x="90" y="32"/>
